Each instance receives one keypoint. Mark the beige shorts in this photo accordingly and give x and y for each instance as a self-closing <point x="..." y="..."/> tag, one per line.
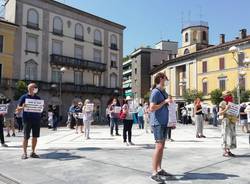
<point x="9" y="122"/>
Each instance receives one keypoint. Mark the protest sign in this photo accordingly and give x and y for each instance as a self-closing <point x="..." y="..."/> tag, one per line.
<point x="33" y="105"/>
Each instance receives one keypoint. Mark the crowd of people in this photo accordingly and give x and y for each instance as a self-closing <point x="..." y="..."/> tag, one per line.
<point x="157" y="116"/>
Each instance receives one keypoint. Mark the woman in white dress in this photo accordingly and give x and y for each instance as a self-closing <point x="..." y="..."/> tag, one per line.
<point x="87" y="118"/>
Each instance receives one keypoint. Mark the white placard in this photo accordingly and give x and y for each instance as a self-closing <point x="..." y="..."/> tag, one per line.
<point x="233" y="110"/>
<point x="80" y="115"/>
<point x="33" y="105"/>
<point x="90" y="107"/>
<point x="117" y="109"/>
<point x="3" y="108"/>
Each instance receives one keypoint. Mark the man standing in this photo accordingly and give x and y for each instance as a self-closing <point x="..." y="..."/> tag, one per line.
<point x="2" y="101"/>
<point x="31" y="121"/>
<point x="9" y="119"/>
<point x="159" y="121"/>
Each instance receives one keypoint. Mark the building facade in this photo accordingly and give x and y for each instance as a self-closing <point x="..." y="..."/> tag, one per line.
<point x="53" y="36"/>
<point x="141" y="62"/>
<point x="127" y="77"/>
<point x="7" y="39"/>
<point x="204" y="67"/>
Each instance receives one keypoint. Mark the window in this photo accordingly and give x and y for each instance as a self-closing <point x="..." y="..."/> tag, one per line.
<point x="78" y="52"/>
<point x="97" y="80"/>
<point x="56" y="75"/>
<point x="241" y="57"/>
<point x="113" y="80"/>
<point x="204" y="87"/>
<point x="32" y="43"/>
<point x="243" y="82"/>
<point x="222" y="63"/>
<point x="113" y="40"/>
<point x="113" y="58"/>
<point x="98" y="38"/>
<point x="97" y="56"/>
<point x="0" y="72"/>
<point x="32" y="19"/>
<point x="186" y="37"/>
<point x="31" y="70"/>
<point x="135" y="71"/>
<point x="79" y="34"/>
<point x="57" y="26"/>
<point x="204" y="36"/>
<point x="186" y="51"/>
<point x="78" y="78"/>
<point x="222" y="84"/>
<point x="204" y="67"/>
<point x="57" y="47"/>
<point x="1" y="43"/>
<point x="195" y="36"/>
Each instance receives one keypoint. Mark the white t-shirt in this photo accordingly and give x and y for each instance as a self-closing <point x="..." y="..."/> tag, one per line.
<point x="247" y="110"/>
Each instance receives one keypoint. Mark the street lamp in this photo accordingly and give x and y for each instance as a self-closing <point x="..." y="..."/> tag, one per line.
<point x="62" y="70"/>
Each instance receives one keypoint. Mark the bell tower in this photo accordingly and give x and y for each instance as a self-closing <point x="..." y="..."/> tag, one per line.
<point x="195" y="36"/>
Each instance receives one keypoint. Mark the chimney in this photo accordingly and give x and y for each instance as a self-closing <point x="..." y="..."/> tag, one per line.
<point x="222" y="38"/>
<point x="243" y="33"/>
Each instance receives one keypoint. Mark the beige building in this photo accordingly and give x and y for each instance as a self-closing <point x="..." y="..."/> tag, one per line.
<point x="53" y="36"/>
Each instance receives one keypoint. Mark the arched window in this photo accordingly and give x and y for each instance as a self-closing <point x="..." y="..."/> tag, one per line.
<point x="113" y="42"/>
<point x="32" y="19"/>
<point x="57" y="26"/>
<point x="79" y="33"/>
<point x="186" y="37"/>
<point x="205" y="86"/>
<point x="204" y="36"/>
<point x="195" y="36"/>
<point x="113" y="80"/>
<point x="98" y="37"/>
<point x="186" y="51"/>
<point x="31" y="70"/>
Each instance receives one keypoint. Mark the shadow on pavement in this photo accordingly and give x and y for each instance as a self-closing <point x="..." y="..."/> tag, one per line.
<point x="60" y="156"/>
<point x="207" y="176"/>
<point x="187" y="141"/>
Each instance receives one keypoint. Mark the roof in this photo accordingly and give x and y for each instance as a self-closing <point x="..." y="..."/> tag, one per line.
<point x="61" y="5"/>
<point x="208" y="50"/>
<point x="7" y="22"/>
<point x="145" y="50"/>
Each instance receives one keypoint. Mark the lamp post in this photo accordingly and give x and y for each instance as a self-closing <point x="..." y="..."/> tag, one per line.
<point x="62" y="70"/>
<point x="235" y="51"/>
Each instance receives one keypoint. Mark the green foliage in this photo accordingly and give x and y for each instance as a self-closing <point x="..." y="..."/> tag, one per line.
<point x="191" y="95"/>
<point x="244" y="95"/>
<point x="216" y="96"/>
<point x="21" y="88"/>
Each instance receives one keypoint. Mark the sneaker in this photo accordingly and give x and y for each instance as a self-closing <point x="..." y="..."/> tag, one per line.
<point x="34" y="155"/>
<point x="13" y="135"/>
<point x="164" y="173"/>
<point x="24" y="157"/>
<point x="4" y="145"/>
<point x="117" y="134"/>
<point x="8" y="135"/>
<point x="157" y="178"/>
<point x="126" y="143"/>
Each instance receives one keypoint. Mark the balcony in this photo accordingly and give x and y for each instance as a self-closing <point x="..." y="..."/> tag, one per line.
<point x="66" y="87"/>
<point x="32" y="25"/>
<point x="98" y="43"/>
<point x="66" y="61"/>
<point x="113" y="46"/>
<point x="57" y="32"/>
<point x="127" y="72"/>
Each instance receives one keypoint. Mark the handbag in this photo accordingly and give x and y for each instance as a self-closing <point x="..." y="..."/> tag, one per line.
<point x="122" y="115"/>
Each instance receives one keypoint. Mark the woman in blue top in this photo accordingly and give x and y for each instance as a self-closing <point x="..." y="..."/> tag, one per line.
<point x="140" y="116"/>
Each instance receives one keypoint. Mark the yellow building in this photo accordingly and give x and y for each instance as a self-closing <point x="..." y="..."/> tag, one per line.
<point x="205" y="67"/>
<point x="7" y="39"/>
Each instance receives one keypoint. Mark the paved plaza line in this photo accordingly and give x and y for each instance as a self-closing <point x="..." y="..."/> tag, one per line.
<point x="7" y="180"/>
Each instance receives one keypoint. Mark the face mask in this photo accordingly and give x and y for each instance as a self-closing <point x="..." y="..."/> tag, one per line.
<point x="35" y="90"/>
<point x="166" y="83"/>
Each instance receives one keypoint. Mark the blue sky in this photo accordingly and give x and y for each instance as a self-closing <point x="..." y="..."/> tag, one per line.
<point x="149" y="21"/>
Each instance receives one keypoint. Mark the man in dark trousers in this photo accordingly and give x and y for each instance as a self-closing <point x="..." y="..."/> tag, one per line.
<point x="3" y="100"/>
<point x="31" y="121"/>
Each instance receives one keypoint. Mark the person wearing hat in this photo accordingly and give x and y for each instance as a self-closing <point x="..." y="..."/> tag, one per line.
<point x="127" y="121"/>
<point x="227" y="126"/>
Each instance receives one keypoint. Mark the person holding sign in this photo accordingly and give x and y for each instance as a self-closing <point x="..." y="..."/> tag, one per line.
<point x="114" y="110"/>
<point x="87" y="111"/>
<point x="227" y="127"/>
<point x="32" y="107"/>
<point x="3" y="111"/>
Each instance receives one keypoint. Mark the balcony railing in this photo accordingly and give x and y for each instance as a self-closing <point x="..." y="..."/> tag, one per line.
<point x="66" y="87"/>
<point x="58" y="32"/>
<point x="98" y="43"/>
<point x="60" y="60"/>
<point x="32" y="25"/>
<point x="113" y="46"/>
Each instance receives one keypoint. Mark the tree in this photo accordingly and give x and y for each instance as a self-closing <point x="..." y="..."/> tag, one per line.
<point x="244" y="95"/>
<point x="21" y="88"/>
<point x="191" y="95"/>
<point x="216" y="96"/>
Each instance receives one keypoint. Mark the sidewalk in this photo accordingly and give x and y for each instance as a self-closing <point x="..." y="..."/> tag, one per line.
<point x="67" y="158"/>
